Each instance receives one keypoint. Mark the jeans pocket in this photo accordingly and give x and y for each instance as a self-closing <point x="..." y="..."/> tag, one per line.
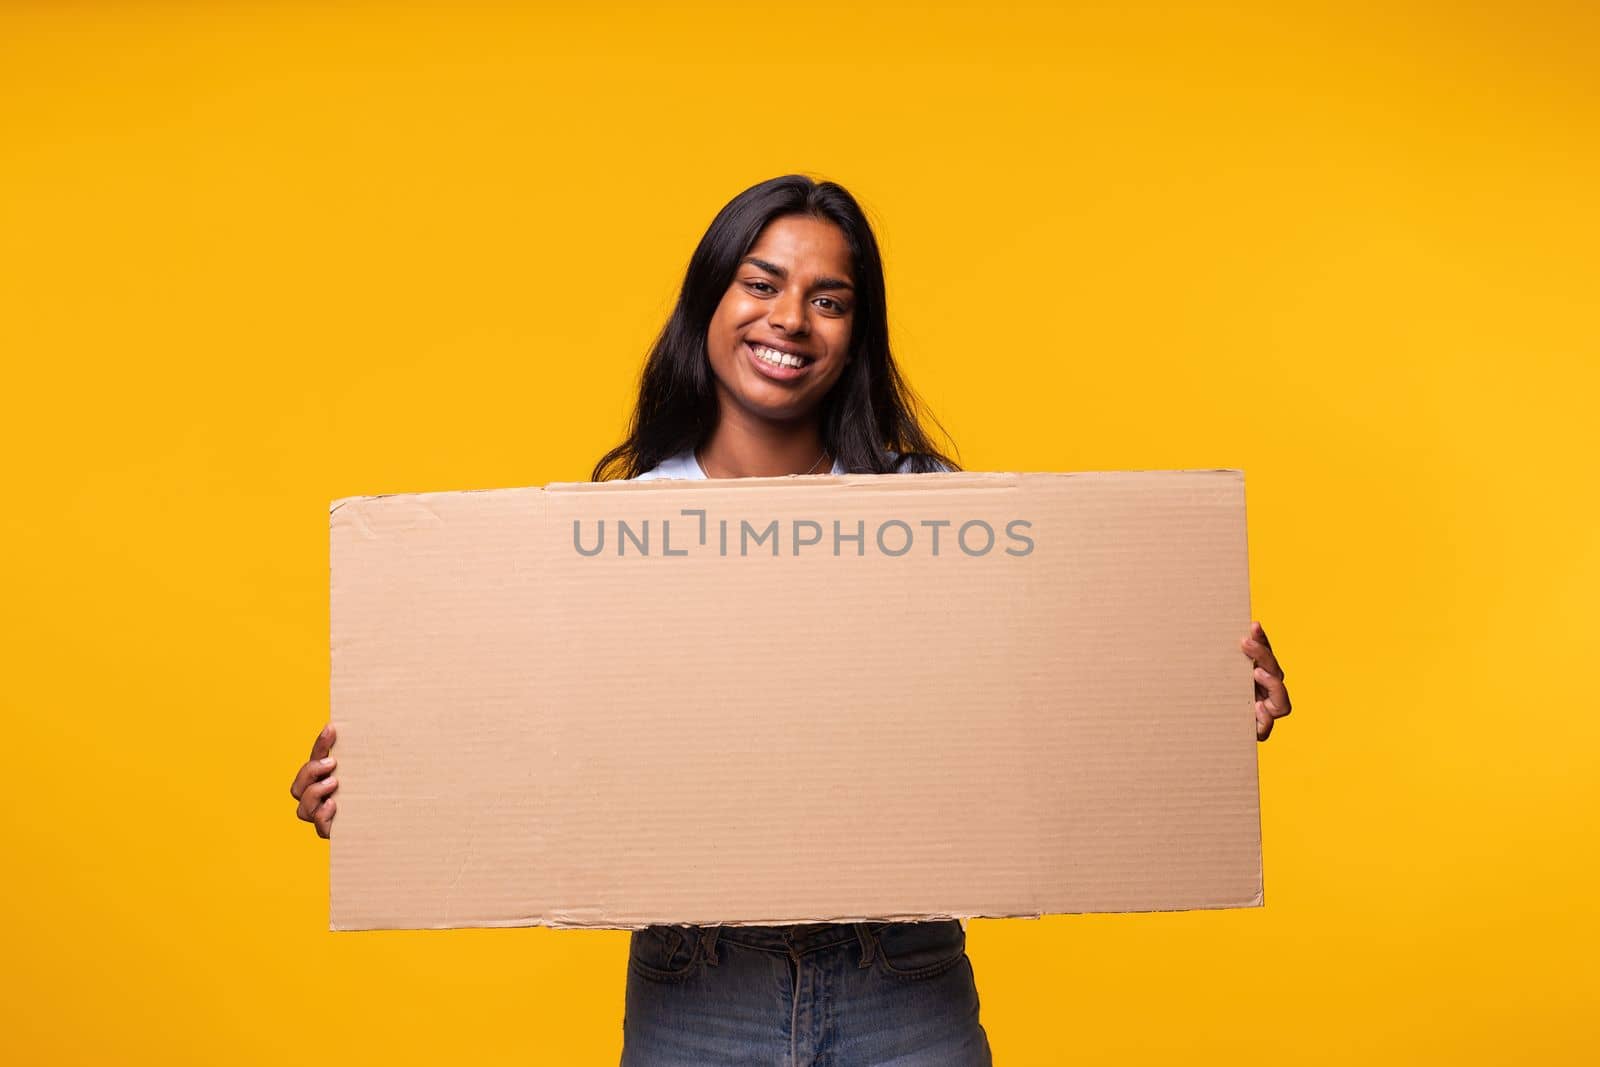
<point x="664" y="953"/>
<point x="914" y="951"/>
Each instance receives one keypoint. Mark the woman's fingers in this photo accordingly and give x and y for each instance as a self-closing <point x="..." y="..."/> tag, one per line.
<point x="324" y="742"/>
<point x="1275" y="696"/>
<point x="1255" y="646"/>
<point x="1272" y="696"/>
<point x="324" y="817"/>
<point x="309" y="773"/>
<point x="314" y="783"/>
<point x="313" y="797"/>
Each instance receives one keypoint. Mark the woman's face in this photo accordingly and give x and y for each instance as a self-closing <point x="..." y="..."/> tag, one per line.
<point x="791" y="302"/>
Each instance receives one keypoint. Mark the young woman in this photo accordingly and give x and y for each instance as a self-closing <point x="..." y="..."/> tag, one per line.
<point x="776" y="361"/>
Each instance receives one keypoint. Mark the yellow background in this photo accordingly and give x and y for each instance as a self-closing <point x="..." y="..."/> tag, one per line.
<point x="253" y="258"/>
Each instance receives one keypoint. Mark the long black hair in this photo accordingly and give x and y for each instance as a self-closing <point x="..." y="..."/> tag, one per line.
<point x="870" y="408"/>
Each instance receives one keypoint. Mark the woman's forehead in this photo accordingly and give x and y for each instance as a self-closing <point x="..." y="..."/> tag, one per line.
<point x="805" y="244"/>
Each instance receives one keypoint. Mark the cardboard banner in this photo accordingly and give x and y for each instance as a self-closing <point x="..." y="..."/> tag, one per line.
<point x="800" y="699"/>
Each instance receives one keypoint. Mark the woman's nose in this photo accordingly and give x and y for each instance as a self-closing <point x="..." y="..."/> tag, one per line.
<point x="788" y="314"/>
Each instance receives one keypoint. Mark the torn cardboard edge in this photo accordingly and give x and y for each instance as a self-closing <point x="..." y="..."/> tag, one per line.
<point x="661" y="484"/>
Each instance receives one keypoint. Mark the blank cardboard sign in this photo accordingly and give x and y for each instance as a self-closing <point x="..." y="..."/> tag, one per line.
<point x="800" y="699"/>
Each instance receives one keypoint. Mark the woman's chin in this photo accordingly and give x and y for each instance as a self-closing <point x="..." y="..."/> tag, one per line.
<point x="770" y="400"/>
<point x="784" y="407"/>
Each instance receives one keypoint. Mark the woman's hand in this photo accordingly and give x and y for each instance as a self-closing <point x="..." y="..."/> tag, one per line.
<point x="313" y="787"/>
<point x="1272" y="699"/>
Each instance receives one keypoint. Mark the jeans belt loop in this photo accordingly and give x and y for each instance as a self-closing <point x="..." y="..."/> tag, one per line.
<point x="708" y="943"/>
<point x="869" y="944"/>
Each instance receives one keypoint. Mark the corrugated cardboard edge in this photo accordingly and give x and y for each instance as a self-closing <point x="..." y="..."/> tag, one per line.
<point x="1260" y="899"/>
<point x="961" y="478"/>
<point x="573" y="922"/>
<point x="917" y="917"/>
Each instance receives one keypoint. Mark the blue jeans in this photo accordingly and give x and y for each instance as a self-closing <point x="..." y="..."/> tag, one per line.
<point x="824" y="995"/>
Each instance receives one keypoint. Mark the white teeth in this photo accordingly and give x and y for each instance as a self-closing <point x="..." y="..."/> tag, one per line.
<point x="773" y="356"/>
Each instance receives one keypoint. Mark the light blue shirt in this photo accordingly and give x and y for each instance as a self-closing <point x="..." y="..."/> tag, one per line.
<point x="684" y="465"/>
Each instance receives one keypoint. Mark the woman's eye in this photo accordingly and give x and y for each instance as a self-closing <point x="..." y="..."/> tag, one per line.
<point x="828" y="303"/>
<point x="762" y="287"/>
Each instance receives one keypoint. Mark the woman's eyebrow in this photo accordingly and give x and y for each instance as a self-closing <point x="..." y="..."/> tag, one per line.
<point x="777" y="271"/>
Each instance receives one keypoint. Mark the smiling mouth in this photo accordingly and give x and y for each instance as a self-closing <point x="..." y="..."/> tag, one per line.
<point x="774" y="358"/>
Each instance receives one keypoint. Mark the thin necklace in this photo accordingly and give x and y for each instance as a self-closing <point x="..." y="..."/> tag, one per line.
<point x="814" y="466"/>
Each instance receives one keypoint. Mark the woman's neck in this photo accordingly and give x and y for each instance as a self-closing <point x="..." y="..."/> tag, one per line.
<point x="742" y="450"/>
